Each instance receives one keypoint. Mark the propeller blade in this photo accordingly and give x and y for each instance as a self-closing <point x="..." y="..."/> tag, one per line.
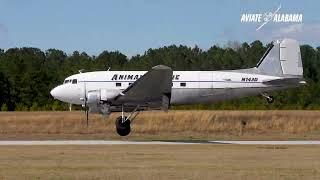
<point x="86" y="109"/>
<point x="87" y="113"/>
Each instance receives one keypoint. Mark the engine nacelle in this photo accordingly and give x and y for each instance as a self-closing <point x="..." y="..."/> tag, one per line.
<point x="95" y="97"/>
<point x="107" y="94"/>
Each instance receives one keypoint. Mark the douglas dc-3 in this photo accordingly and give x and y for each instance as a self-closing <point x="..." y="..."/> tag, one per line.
<point x="105" y="92"/>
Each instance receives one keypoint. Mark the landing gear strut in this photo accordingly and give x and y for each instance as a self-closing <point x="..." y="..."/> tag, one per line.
<point x="270" y="99"/>
<point x="123" y="122"/>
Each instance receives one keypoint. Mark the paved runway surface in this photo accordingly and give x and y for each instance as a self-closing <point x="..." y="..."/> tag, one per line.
<point x="269" y="142"/>
<point x="105" y="142"/>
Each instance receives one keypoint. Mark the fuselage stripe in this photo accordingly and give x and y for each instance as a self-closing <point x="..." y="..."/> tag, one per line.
<point x="179" y="81"/>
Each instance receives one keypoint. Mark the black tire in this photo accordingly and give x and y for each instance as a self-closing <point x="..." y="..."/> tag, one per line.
<point x="123" y="129"/>
<point x="270" y="99"/>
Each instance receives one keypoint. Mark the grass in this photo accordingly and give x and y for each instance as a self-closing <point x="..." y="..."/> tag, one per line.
<point x="148" y="162"/>
<point x="246" y="125"/>
<point x="144" y="162"/>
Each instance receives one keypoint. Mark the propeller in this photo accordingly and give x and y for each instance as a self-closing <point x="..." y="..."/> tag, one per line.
<point x="86" y="109"/>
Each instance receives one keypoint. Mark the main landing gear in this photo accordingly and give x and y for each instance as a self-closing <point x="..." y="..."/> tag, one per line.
<point x="123" y="127"/>
<point x="123" y="122"/>
<point x="270" y="99"/>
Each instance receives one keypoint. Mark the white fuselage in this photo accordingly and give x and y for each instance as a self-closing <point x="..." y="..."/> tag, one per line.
<point x="188" y="87"/>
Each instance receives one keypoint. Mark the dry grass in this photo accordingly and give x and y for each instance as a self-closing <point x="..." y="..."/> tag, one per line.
<point x="152" y="162"/>
<point x="161" y="125"/>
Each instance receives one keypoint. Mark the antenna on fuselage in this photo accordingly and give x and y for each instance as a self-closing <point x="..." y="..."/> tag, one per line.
<point x="109" y="68"/>
<point x="81" y="70"/>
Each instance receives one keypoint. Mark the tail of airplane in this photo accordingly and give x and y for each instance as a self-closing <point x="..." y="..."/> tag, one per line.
<point x="282" y="59"/>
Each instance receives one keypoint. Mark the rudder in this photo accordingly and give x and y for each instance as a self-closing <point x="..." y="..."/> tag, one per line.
<point x="282" y="59"/>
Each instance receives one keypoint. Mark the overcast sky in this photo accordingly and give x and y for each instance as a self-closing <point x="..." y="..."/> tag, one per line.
<point x="133" y="26"/>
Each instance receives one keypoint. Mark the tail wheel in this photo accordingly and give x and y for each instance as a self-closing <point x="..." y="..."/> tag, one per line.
<point x="123" y="128"/>
<point x="270" y="99"/>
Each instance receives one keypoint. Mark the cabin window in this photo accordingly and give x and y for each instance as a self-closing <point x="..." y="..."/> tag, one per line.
<point x="74" y="81"/>
<point x="183" y="84"/>
<point x="118" y="84"/>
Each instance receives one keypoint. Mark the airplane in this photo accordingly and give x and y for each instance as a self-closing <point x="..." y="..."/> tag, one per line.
<point x="130" y="92"/>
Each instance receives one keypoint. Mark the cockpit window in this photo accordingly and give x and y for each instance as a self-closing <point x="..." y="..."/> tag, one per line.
<point x="73" y="81"/>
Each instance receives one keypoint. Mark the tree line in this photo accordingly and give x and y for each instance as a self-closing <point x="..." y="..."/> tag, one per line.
<point x="28" y="74"/>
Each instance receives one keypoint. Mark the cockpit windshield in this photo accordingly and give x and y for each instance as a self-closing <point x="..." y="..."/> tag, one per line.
<point x="73" y="81"/>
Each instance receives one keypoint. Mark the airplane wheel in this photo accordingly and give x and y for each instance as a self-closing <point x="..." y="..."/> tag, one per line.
<point x="270" y="99"/>
<point x="123" y="129"/>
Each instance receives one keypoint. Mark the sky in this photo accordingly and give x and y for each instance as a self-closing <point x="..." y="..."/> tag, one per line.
<point x="134" y="26"/>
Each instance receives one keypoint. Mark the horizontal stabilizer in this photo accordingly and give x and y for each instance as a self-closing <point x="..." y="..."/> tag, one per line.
<point x="285" y="82"/>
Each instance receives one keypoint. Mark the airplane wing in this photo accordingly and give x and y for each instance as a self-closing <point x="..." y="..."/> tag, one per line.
<point x="285" y="82"/>
<point x="154" y="86"/>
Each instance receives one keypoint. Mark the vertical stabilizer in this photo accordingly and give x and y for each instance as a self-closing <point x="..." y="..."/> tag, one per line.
<point x="282" y="59"/>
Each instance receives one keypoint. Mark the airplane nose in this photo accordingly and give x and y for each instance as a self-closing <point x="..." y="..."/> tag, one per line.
<point x="67" y="93"/>
<point x="56" y="92"/>
<point x="53" y="92"/>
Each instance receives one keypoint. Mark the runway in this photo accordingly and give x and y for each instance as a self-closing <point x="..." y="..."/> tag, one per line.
<point x="107" y="142"/>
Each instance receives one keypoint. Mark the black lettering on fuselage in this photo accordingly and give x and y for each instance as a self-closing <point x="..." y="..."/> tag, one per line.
<point x="175" y="77"/>
<point x="249" y="79"/>
<point x="114" y="77"/>
<point x="130" y="77"/>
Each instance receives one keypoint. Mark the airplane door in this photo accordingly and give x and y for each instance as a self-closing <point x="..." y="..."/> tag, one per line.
<point x="205" y="80"/>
